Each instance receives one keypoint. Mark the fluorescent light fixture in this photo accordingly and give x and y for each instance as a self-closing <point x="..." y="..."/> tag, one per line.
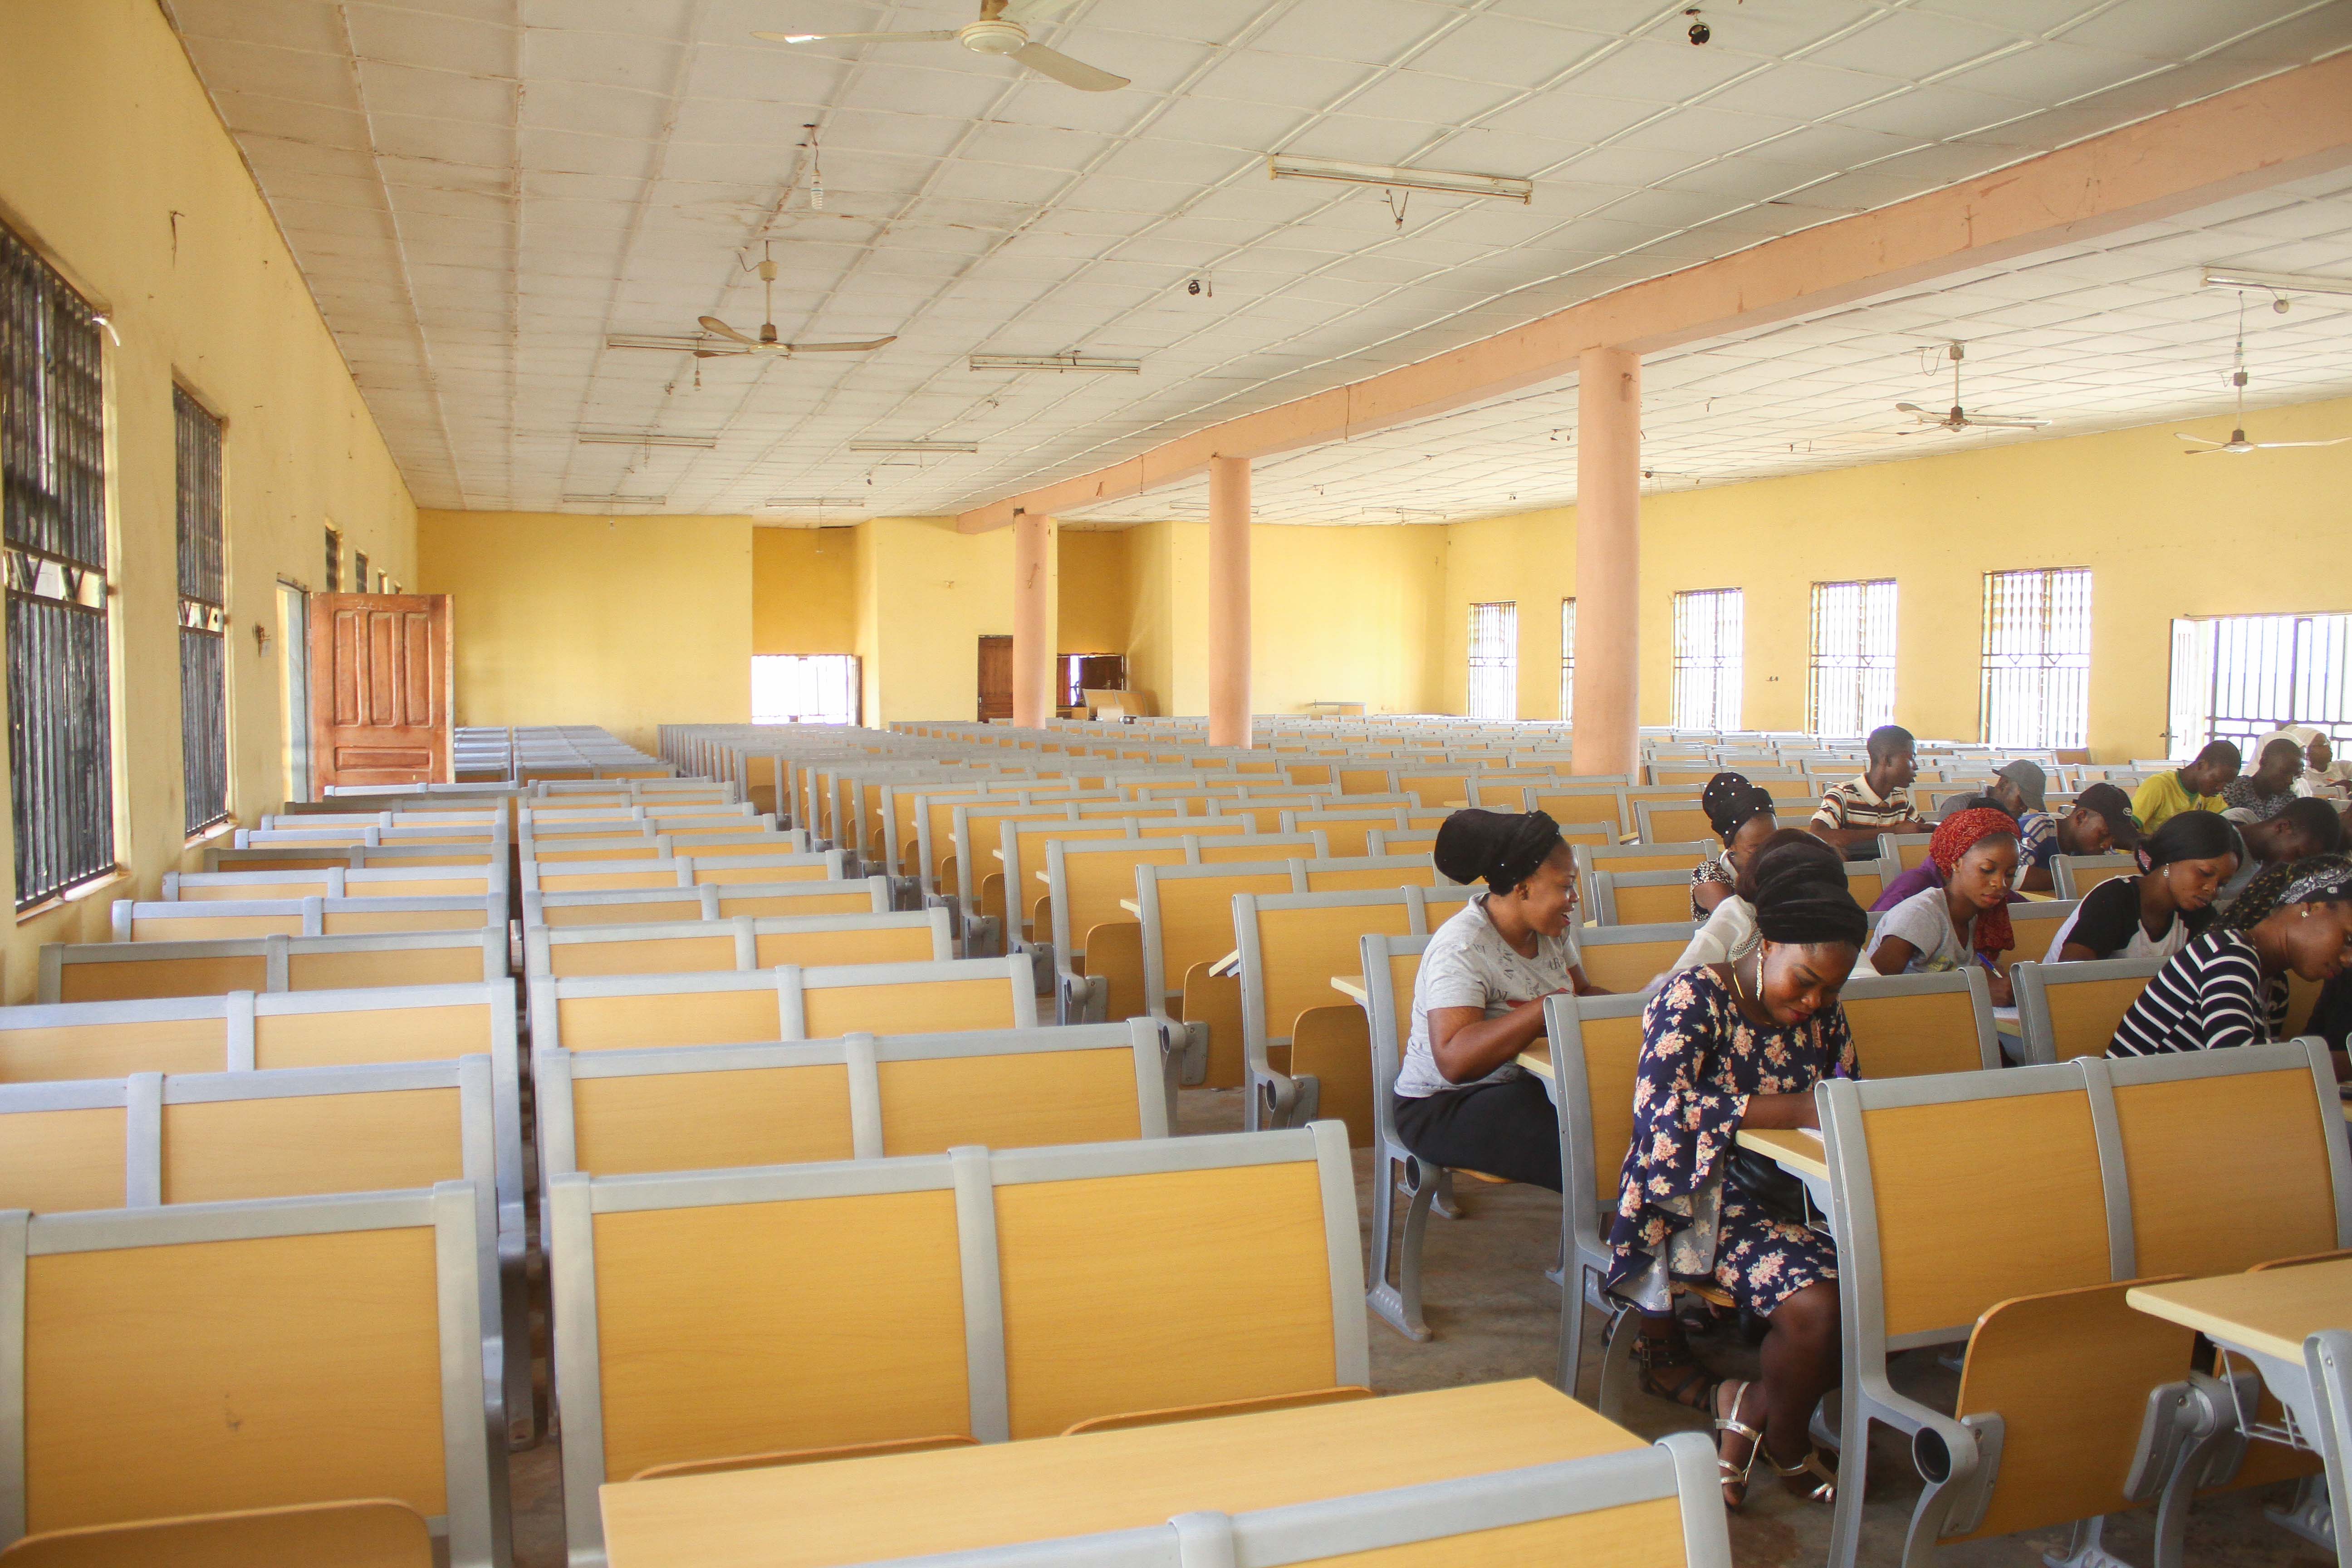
<point x="1451" y="183"/>
<point x="786" y="503"/>
<point x="1057" y="362"/>
<point x="965" y="447"/>
<point x="2276" y="282"/>
<point x="616" y="501"/>
<point x="681" y="342"/>
<point x="643" y="438"/>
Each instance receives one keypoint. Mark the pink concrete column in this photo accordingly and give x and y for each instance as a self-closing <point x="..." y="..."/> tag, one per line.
<point x="1229" y="602"/>
<point x="1608" y="561"/>
<point x="1034" y="606"/>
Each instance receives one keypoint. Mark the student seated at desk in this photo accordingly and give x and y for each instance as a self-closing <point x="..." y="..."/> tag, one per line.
<point x="2153" y="914"/>
<point x="2197" y="787"/>
<point x="1462" y="1101"/>
<point x="2302" y="829"/>
<point x="1726" y="1046"/>
<point x="1940" y="928"/>
<point x="2323" y="775"/>
<point x="1742" y="816"/>
<point x="1729" y="933"/>
<point x="2100" y="823"/>
<point x="2228" y="987"/>
<point x="1854" y="814"/>
<point x="2264" y="793"/>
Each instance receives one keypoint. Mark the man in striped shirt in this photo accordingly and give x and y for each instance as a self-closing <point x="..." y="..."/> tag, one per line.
<point x="1854" y="814"/>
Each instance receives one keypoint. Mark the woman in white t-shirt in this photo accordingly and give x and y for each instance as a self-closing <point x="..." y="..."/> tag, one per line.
<point x="1941" y="928"/>
<point x="1462" y="1101"/>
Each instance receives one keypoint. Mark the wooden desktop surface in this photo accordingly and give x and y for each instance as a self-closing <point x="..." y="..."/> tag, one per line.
<point x="1792" y="1148"/>
<point x="955" y="1500"/>
<point x="1352" y="986"/>
<point x="2270" y="1313"/>
<point x="1537" y="1059"/>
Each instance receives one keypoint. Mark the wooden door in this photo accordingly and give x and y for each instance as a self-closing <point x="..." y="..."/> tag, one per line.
<point x="995" y="678"/>
<point x="382" y="688"/>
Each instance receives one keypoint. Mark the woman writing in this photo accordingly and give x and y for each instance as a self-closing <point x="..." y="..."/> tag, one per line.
<point x="1940" y="928"/>
<point x="1726" y="1046"/>
<point x="2153" y="914"/>
<point x="1461" y="1099"/>
<point x="1742" y="816"/>
<point x="2228" y="987"/>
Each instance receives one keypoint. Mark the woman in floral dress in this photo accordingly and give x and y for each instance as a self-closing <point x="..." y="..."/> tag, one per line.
<point x="1726" y="1046"/>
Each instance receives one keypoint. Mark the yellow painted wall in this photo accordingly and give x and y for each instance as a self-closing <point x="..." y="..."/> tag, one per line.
<point x="938" y="593"/>
<point x="1342" y="614"/>
<point x="626" y="622"/>
<point x="1096" y="610"/>
<point x="803" y="589"/>
<point x="106" y="141"/>
<point x="2163" y="534"/>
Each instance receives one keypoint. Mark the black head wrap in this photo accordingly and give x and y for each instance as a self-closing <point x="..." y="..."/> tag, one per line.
<point x="1731" y="802"/>
<point x="1800" y="896"/>
<point x="1504" y="847"/>
<point x="2191" y="836"/>
<point x="2320" y="879"/>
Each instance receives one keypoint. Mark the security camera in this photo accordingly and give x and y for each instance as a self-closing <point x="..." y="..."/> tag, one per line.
<point x="1700" y="33"/>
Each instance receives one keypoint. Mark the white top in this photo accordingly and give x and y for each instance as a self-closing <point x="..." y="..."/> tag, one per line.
<point x="1730" y="934"/>
<point x="1925" y="921"/>
<point x="1468" y="964"/>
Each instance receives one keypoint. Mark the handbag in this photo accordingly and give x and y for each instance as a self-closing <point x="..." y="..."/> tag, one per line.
<point x="1766" y="1185"/>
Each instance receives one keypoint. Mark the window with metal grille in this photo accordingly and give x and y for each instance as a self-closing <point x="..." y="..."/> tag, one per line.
<point x="204" y="612"/>
<point x="2238" y="677"/>
<point x="334" y="561"/>
<point x="359" y="571"/>
<point x="1851" y="688"/>
<point x="1567" y="660"/>
<point x="53" y="521"/>
<point x="1708" y="635"/>
<point x="2037" y="658"/>
<point x="804" y="689"/>
<point x="1495" y="661"/>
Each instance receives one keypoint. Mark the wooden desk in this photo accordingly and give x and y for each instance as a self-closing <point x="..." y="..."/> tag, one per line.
<point x="955" y="1500"/>
<point x="2265" y="1314"/>
<point x="1352" y="987"/>
<point x="1793" y="1149"/>
<point x="1537" y="1059"/>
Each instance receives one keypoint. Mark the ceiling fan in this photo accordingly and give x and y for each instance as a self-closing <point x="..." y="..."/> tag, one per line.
<point x="1002" y="30"/>
<point x="730" y="342"/>
<point x="1956" y="419"/>
<point x="2237" y="443"/>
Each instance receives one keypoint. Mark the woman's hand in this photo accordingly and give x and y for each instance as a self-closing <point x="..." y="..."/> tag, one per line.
<point x="1467" y="1044"/>
<point x="1768" y="1112"/>
<point x="2004" y="994"/>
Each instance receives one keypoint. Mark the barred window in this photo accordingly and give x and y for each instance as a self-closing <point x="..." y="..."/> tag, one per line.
<point x="53" y="522"/>
<point x="795" y="688"/>
<point x="334" y="561"/>
<point x="2238" y="677"/>
<point x="359" y="571"/>
<point x="1852" y="688"/>
<point x="1708" y="639"/>
<point x="204" y="609"/>
<point x="1495" y="661"/>
<point x="2037" y="658"/>
<point x="1567" y="660"/>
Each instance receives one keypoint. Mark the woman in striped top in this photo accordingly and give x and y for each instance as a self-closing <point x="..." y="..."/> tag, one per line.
<point x="2228" y="987"/>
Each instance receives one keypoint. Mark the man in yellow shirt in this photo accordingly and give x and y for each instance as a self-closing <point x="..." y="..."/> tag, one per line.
<point x="2197" y="787"/>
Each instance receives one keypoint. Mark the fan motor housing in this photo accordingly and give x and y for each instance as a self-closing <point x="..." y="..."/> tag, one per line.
<point x="994" y="35"/>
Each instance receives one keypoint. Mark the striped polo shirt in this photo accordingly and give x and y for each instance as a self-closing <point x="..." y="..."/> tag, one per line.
<point x="1854" y="804"/>
<point x="2210" y="995"/>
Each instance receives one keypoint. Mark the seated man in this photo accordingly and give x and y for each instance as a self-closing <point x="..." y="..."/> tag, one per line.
<point x="1854" y="814"/>
<point x="2197" y="787"/>
<point x="2263" y="793"/>
<point x="2101" y="823"/>
<point x="2302" y="828"/>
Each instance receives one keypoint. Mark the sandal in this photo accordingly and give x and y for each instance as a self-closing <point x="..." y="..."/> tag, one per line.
<point x="1693" y="1388"/>
<point x="1809" y="1478"/>
<point x="1735" y="1477"/>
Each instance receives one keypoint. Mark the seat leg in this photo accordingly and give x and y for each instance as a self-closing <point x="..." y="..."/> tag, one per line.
<point x="1446" y="1205"/>
<point x="1616" y="1389"/>
<point x="1571" y="1331"/>
<point x="2308" y="1515"/>
<point x="1399" y="1305"/>
<point x="2085" y="1547"/>
<point x="1854" y="1467"/>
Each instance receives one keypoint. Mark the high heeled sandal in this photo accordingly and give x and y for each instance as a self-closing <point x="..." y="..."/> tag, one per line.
<point x="1734" y="1478"/>
<point x="1694" y="1389"/>
<point x="1818" y="1483"/>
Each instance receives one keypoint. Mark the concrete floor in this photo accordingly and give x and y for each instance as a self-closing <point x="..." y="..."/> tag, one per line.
<point x="1492" y="1315"/>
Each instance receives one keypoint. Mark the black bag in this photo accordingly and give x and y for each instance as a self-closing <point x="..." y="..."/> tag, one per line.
<point x="1766" y="1185"/>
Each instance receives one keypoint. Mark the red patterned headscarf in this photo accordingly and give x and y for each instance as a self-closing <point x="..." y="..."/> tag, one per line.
<point x="1958" y="833"/>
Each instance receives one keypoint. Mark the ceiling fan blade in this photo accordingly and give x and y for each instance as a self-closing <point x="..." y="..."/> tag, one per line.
<point x="2008" y="421"/>
<point x="867" y="346"/>
<point x="714" y="325"/>
<point x="1068" y="71"/>
<point x="1915" y="408"/>
<point x="937" y="36"/>
<point x="2201" y="440"/>
<point x="2273" y="446"/>
<point x="717" y="353"/>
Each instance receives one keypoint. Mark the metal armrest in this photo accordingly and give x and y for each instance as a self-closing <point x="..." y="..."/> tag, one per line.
<point x="1286" y="1102"/>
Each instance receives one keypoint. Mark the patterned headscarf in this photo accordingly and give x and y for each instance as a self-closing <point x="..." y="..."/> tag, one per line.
<point x="1730" y="802"/>
<point x="2319" y="880"/>
<point x="1958" y="833"/>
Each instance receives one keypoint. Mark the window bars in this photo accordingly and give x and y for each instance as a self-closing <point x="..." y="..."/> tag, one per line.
<point x="1708" y="638"/>
<point x="1495" y="661"/>
<point x="52" y="524"/>
<point x="1850" y="688"/>
<point x="2037" y="658"/>
<point x="204" y="617"/>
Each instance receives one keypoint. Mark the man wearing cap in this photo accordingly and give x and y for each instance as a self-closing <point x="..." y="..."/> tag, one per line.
<point x="2100" y="824"/>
